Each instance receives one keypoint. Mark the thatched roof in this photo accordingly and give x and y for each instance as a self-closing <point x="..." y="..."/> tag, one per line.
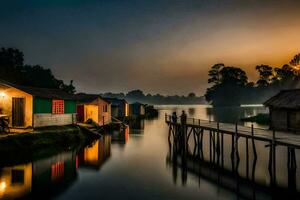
<point x="289" y="99"/>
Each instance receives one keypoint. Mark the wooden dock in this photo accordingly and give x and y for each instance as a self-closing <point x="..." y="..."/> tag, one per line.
<point x="182" y="131"/>
<point x="279" y="137"/>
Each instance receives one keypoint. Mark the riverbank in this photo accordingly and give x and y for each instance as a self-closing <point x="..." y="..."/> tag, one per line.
<point x="42" y="142"/>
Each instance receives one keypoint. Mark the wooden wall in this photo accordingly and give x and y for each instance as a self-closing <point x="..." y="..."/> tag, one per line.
<point x="104" y="114"/>
<point x="279" y="119"/>
<point x="6" y="104"/>
<point x="48" y="119"/>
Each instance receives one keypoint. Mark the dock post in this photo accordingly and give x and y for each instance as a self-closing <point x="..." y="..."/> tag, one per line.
<point x="214" y="145"/>
<point x="202" y="155"/>
<point x="292" y="179"/>
<point x="222" y="148"/>
<point x="247" y="158"/>
<point x="232" y="152"/>
<point x="184" y="135"/>
<point x="210" y="138"/>
<point x="237" y="146"/>
<point x="218" y="144"/>
<point x="253" y="142"/>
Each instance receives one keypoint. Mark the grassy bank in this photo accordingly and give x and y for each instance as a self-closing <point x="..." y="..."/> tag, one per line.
<point x="42" y="142"/>
<point x="259" y="118"/>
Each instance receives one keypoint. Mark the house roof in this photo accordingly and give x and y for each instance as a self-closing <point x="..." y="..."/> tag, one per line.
<point x="87" y="98"/>
<point x="115" y="101"/>
<point x="289" y="99"/>
<point x="41" y="92"/>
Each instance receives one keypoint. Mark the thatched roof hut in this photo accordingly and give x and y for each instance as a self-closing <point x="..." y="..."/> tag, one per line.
<point x="285" y="110"/>
<point x="288" y="99"/>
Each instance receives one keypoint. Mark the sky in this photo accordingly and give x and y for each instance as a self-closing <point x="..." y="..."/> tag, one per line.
<point x="159" y="46"/>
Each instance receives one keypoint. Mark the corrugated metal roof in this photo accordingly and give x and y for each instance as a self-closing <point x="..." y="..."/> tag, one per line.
<point x="289" y="99"/>
<point x="115" y="101"/>
<point x="87" y="98"/>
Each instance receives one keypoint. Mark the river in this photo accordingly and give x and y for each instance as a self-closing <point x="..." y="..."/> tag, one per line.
<point x="136" y="164"/>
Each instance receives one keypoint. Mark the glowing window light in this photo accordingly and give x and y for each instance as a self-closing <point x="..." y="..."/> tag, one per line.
<point x="2" y="94"/>
<point x="2" y="185"/>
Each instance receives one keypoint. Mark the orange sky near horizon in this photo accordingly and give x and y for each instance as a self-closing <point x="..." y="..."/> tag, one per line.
<point x="161" y="46"/>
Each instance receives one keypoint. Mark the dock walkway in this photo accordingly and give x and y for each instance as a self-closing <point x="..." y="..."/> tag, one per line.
<point x="279" y="137"/>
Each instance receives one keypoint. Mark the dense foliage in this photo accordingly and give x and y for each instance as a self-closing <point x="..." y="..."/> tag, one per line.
<point x="13" y="69"/>
<point x="230" y="85"/>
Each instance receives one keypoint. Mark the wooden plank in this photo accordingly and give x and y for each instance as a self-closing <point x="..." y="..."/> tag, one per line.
<point x="282" y="138"/>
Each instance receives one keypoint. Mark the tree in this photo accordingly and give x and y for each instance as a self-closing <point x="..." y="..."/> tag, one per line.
<point x="69" y="88"/>
<point x="214" y="73"/>
<point x="229" y="85"/>
<point x="12" y="69"/>
<point x="265" y="75"/>
<point x="191" y="95"/>
<point x="135" y="94"/>
<point x="286" y="72"/>
<point x="233" y="75"/>
<point x="295" y="61"/>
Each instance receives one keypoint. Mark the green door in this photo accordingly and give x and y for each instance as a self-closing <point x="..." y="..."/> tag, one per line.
<point x="18" y="112"/>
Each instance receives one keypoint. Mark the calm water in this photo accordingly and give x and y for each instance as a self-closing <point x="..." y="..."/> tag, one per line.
<point x="137" y="164"/>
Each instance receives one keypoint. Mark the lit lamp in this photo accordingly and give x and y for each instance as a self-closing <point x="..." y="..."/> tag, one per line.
<point x="2" y="94"/>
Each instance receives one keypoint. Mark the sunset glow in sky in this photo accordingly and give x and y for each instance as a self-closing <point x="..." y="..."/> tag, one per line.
<point x="162" y="46"/>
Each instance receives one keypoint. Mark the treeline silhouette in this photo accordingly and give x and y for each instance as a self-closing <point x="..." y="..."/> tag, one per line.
<point x="13" y="69"/>
<point x="139" y="96"/>
<point x="230" y="85"/>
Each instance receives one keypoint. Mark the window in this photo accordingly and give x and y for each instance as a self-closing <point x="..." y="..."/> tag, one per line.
<point x="105" y="108"/>
<point x="58" y="107"/>
<point x="17" y="176"/>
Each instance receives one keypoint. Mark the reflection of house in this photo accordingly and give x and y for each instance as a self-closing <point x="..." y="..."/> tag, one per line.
<point x="138" y="124"/>
<point x="121" y="136"/>
<point x="119" y="107"/>
<point x="285" y="110"/>
<point x="95" y="155"/>
<point x="42" y="177"/>
<point x="54" y="172"/>
<point x="91" y="106"/>
<point x="136" y="109"/>
<point x="36" y="107"/>
<point x="16" y="181"/>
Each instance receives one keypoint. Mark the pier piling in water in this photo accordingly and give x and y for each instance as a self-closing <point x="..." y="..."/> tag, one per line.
<point x="196" y="128"/>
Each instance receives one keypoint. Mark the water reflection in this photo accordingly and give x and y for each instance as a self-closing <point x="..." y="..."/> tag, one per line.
<point x="187" y="164"/>
<point x="15" y="181"/>
<point x="116" y="167"/>
<point x="120" y="136"/>
<point x="54" y="174"/>
<point x="96" y="154"/>
<point x="137" y="124"/>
